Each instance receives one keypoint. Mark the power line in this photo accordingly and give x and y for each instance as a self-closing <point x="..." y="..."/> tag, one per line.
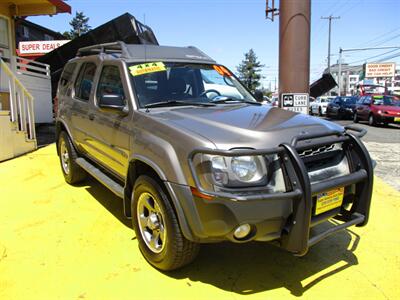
<point x="366" y="59"/>
<point x="390" y="57"/>
<point x="378" y="37"/>
<point x="387" y="40"/>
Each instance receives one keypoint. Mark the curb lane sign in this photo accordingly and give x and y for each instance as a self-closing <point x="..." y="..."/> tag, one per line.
<point x="297" y="102"/>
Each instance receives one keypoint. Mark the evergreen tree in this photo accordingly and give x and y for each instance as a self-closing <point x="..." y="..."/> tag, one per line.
<point x="250" y="70"/>
<point x="79" y="26"/>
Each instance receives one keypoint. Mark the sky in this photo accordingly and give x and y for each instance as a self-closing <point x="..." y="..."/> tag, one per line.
<point x="226" y="29"/>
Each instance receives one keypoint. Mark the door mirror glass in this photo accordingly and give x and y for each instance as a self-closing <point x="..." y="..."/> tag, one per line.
<point x="112" y="102"/>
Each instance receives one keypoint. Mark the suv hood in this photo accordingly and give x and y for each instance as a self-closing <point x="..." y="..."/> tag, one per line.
<point x="244" y="125"/>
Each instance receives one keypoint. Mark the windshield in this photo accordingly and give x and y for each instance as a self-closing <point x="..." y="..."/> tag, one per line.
<point x="349" y="100"/>
<point x="159" y="82"/>
<point x="386" y="100"/>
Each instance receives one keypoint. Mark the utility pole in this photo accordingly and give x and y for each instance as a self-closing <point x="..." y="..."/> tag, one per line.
<point x="294" y="46"/>
<point x="330" y="18"/>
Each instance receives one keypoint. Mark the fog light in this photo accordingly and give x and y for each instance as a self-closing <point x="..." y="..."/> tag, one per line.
<point x="242" y="231"/>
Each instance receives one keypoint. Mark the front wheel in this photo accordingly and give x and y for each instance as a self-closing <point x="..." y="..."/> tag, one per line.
<point x="371" y="120"/>
<point x="320" y="111"/>
<point x="157" y="229"/>
<point x="355" y="118"/>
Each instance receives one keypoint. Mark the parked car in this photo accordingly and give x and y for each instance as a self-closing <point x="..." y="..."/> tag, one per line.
<point x="341" y="107"/>
<point x="318" y="107"/>
<point x="275" y="101"/>
<point x="377" y="109"/>
<point x="196" y="165"/>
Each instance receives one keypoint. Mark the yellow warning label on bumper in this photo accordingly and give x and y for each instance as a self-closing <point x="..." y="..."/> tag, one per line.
<point x="329" y="200"/>
<point x="147" y="68"/>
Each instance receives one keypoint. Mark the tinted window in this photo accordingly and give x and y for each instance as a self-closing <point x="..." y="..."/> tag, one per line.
<point x="66" y="77"/>
<point x="385" y="100"/>
<point x="360" y="100"/>
<point x="349" y="100"/>
<point x="110" y="82"/>
<point x="84" y="82"/>
<point x="367" y="100"/>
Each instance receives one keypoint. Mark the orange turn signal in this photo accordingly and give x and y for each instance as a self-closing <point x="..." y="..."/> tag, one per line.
<point x="197" y="193"/>
<point x="222" y="70"/>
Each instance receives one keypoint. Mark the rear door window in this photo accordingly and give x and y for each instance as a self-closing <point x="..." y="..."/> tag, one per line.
<point x="84" y="82"/>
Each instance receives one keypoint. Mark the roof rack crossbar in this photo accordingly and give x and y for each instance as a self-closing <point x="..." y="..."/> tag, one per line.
<point x="114" y="47"/>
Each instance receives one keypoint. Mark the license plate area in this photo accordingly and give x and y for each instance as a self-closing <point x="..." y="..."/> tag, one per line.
<point x="397" y="119"/>
<point x="329" y="200"/>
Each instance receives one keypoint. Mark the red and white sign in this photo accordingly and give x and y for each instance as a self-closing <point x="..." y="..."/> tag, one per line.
<point x="380" y="69"/>
<point x="39" y="47"/>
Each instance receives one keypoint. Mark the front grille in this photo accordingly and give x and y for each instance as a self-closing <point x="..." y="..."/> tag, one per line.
<point x="324" y="162"/>
<point x="317" y="150"/>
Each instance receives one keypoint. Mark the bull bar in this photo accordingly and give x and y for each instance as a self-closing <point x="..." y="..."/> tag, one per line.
<point x="296" y="234"/>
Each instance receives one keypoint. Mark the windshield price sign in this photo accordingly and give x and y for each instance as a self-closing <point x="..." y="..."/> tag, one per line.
<point x="295" y="102"/>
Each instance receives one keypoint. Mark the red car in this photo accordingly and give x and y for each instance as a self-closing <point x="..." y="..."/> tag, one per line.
<point x="377" y="109"/>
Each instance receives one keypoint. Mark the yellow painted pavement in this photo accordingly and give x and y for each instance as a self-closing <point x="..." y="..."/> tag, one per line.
<point x="63" y="242"/>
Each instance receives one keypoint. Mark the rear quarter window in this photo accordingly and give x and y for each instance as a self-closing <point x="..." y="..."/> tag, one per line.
<point x="66" y="77"/>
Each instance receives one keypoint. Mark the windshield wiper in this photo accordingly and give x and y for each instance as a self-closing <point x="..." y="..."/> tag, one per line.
<point x="229" y="99"/>
<point x="177" y="103"/>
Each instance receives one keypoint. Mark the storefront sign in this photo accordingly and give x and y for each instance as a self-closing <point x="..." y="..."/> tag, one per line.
<point x="380" y="69"/>
<point x="39" y="47"/>
<point x="295" y="102"/>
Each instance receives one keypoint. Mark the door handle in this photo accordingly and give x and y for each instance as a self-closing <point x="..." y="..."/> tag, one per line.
<point x="91" y="117"/>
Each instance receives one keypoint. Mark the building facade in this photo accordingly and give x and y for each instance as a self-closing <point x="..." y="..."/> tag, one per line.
<point x="352" y="77"/>
<point x="22" y="81"/>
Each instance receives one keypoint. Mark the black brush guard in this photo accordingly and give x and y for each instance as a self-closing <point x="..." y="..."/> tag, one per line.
<point x="296" y="234"/>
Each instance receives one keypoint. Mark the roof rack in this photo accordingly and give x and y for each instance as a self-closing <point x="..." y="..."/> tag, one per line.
<point x="107" y="48"/>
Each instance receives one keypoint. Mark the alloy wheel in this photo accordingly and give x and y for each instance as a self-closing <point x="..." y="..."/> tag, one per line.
<point x="151" y="222"/>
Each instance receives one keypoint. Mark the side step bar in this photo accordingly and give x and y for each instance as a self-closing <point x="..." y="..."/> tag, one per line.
<point x="113" y="186"/>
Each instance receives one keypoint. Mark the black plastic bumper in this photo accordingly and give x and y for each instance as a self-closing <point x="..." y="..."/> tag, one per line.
<point x="295" y="235"/>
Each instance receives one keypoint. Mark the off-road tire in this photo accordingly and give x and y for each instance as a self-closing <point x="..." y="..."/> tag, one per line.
<point x="177" y="251"/>
<point x="75" y="173"/>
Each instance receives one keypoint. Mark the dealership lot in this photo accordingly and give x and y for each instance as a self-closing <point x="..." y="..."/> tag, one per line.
<point x="61" y="242"/>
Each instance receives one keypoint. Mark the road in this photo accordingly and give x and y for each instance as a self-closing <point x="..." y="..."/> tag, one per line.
<point x="383" y="144"/>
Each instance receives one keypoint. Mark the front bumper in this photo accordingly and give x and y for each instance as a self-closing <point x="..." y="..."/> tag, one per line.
<point x="286" y="217"/>
<point x="387" y="118"/>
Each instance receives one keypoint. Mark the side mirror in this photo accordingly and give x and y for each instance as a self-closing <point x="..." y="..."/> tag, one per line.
<point x="259" y="95"/>
<point x="112" y="102"/>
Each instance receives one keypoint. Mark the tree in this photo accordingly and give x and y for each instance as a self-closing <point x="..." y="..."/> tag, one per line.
<point x="79" y="26"/>
<point x="250" y="70"/>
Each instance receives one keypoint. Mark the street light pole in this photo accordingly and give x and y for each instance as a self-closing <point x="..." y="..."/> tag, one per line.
<point x="330" y="18"/>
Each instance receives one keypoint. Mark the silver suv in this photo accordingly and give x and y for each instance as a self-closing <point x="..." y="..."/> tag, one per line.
<point x="196" y="159"/>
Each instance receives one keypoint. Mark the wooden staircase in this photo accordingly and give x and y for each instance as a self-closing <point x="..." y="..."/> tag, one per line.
<point x="17" y="121"/>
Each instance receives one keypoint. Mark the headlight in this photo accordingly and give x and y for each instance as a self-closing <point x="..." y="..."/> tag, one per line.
<point x="216" y="173"/>
<point x="246" y="168"/>
<point x="238" y="170"/>
<point x="379" y="111"/>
